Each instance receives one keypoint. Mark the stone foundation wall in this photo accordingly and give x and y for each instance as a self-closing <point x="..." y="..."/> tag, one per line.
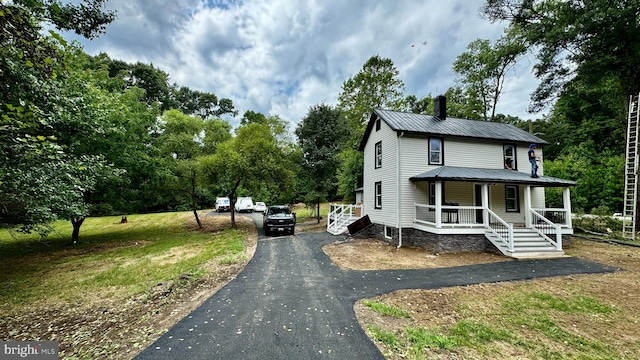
<point x="438" y="243"/>
<point x="566" y="241"/>
<point x="431" y="242"/>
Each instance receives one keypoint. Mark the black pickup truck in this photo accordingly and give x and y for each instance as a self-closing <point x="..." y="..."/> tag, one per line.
<point x="279" y="218"/>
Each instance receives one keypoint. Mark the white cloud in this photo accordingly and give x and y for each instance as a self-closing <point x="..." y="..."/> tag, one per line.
<point x="283" y="56"/>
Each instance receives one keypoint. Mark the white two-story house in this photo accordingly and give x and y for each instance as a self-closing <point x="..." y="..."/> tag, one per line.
<point x="454" y="185"/>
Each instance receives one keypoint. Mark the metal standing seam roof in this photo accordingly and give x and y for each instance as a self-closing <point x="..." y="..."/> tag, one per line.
<point x="429" y="124"/>
<point x="453" y="173"/>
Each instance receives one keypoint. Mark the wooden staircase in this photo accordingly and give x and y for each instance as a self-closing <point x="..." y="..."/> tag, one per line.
<point x="528" y="244"/>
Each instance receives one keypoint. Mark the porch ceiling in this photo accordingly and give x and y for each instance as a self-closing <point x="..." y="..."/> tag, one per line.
<point x="454" y="173"/>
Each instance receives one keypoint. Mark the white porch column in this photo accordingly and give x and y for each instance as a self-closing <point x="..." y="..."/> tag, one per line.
<point x="438" y="204"/>
<point x="527" y="206"/>
<point x="566" y="201"/>
<point x="485" y="204"/>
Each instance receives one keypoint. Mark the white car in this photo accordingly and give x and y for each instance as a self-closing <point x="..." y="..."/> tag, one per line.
<point x="244" y="204"/>
<point x="222" y="204"/>
<point x="259" y="206"/>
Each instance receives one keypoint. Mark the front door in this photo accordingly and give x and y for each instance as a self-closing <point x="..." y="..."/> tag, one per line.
<point x="477" y="201"/>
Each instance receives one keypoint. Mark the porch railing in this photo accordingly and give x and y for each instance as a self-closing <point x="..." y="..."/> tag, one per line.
<point x="501" y="229"/>
<point x="340" y="215"/>
<point x="546" y="228"/>
<point x="556" y="216"/>
<point x="449" y="215"/>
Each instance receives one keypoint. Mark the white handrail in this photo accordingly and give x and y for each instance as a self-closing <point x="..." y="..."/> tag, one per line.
<point x="558" y="242"/>
<point x="567" y="214"/>
<point x="509" y="240"/>
<point x="340" y="215"/>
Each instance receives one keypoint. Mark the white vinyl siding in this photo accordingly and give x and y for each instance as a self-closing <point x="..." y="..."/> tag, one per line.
<point x="476" y="154"/>
<point x="457" y="152"/>
<point x="414" y="160"/>
<point x="459" y="192"/>
<point x="499" y="204"/>
<point x="537" y="197"/>
<point x="385" y="174"/>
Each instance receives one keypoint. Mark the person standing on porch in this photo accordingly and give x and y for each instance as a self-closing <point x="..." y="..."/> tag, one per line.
<point x="533" y="159"/>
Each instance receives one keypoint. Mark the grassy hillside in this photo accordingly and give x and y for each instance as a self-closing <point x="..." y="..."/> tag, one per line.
<point x="128" y="271"/>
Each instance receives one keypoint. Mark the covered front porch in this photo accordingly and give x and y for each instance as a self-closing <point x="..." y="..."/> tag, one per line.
<point x="507" y="207"/>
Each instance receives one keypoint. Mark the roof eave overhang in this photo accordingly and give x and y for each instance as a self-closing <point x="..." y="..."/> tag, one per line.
<point x="541" y="181"/>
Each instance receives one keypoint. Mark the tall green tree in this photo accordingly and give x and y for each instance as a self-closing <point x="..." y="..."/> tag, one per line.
<point x="216" y="131"/>
<point x="459" y="104"/>
<point x="482" y="70"/>
<point x="279" y="127"/>
<point x="600" y="184"/>
<point x="197" y="103"/>
<point x="419" y="106"/>
<point x="321" y="134"/>
<point x="155" y="82"/>
<point x="181" y="141"/>
<point x="376" y="85"/>
<point x="595" y="39"/>
<point x="34" y="166"/>
<point x="82" y="128"/>
<point x="588" y="59"/>
<point x="251" y="159"/>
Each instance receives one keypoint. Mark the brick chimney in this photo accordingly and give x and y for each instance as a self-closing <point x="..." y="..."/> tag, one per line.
<point x="440" y="107"/>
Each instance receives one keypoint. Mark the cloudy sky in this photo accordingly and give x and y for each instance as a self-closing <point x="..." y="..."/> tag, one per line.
<point x="283" y="56"/>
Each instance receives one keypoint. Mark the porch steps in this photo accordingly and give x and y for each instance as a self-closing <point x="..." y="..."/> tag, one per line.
<point x="527" y="244"/>
<point x="341" y="216"/>
<point x="341" y="224"/>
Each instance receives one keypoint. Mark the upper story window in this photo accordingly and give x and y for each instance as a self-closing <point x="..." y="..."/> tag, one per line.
<point x="378" y="159"/>
<point x="509" y="152"/>
<point x="435" y="151"/>
<point x="378" y="124"/>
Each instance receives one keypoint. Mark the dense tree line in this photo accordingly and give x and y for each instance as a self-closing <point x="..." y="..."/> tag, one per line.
<point x="88" y="135"/>
<point x="83" y="135"/>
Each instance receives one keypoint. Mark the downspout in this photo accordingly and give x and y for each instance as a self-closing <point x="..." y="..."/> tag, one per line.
<point x="399" y="197"/>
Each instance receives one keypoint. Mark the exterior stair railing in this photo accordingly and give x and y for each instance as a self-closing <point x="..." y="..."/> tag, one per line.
<point x="341" y="215"/>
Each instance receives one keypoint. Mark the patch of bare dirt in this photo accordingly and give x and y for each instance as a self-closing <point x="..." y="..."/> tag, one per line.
<point x="445" y="307"/>
<point x="369" y="254"/>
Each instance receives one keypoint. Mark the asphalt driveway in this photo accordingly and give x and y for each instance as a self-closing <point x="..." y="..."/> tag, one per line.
<point x="292" y="302"/>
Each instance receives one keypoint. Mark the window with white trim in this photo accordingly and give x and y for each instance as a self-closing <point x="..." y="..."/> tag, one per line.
<point x="509" y="151"/>
<point x="378" y="159"/>
<point x="512" y="198"/>
<point x="378" y="195"/>
<point x="388" y="232"/>
<point x="378" y="124"/>
<point x="435" y="151"/>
